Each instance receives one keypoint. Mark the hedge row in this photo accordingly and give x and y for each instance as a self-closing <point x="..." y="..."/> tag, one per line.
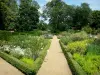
<point x="40" y="59"/>
<point x="22" y="66"/>
<point x="17" y="63"/>
<point x="75" y="67"/>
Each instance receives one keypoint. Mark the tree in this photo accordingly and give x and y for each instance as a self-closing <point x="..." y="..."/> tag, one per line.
<point x="95" y="19"/>
<point x="28" y="16"/>
<point x="8" y="10"/>
<point x="81" y="16"/>
<point x="59" y="15"/>
<point x="42" y="25"/>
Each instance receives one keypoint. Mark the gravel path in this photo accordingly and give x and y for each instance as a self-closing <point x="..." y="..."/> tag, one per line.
<point x="7" y="69"/>
<point x="55" y="63"/>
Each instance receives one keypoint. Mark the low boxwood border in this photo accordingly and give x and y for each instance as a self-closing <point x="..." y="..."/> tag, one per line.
<point x="17" y="63"/>
<point x="40" y="59"/>
<point x="22" y="66"/>
<point x="75" y="67"/>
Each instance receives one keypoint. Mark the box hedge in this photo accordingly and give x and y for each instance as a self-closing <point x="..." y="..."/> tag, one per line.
<point x="75" y="67"/>
<point x="18" y="64"/>
<point x="22" y="66"/>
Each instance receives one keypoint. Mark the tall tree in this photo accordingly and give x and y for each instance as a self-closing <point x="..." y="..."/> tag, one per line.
<point x="28" y="16"/>
<point x="8" y="10"/>
<point x="81" y="16"/>
<point x="55" y="11"/>
<point x="95" y="19"/>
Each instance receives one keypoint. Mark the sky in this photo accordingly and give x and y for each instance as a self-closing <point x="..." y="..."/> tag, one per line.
<point x="94" y="4"/>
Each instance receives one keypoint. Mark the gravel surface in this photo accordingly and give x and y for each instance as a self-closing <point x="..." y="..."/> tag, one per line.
<point x="55" y="62"/>
<point x="7" y="69"/>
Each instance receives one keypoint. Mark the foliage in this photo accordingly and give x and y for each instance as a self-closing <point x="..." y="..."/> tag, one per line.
<point x="72" y="37"/>
<point x="85" y="51"/>
<point x="31" y="49"/>
<point x="78" y="46"/>
<point x="87" y="29"/>
<point x="18" y="64"/>
<point x="27" y="21"/>
<point x="79" y="36"/>
<point x="59" y="19"/>
<point x="66" y="40"/>
<point x="81" y="16"/>
<point x="75" y="67"/>
<point x="95" y="19"/>
<point x="4" y="35"/>
<point x="28" y="61"/>
<point x="90" y="63"/>
<point x="31" y="66"/>
<point x="97" y="40"/>
<point x="42" y="25"/>
<point x="8" y="14"/>
<point x="41" y="57"/>
<point x="93" y="49"/>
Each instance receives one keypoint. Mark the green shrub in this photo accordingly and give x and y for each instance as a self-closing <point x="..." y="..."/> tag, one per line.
<point x="93" y="49"/>
<point x="97" y="40"/>
<point x="32" y="45"/>
<point x="18" y="64"/>
<point x="4" y="35"/>
<point x="41" y="57"/>
<point x="88" y="29"/>
<point x="75" y="67"/>
<point x="28" y="61"/>
<point x="35" y="32"/>
<point x="34" y="48"/>
<point x="79" y="46"/>
<point x="79" y="36"/>
<point x="72" y="37"/>
<point x="66" y="40"/>
<point x="89" y="63"/>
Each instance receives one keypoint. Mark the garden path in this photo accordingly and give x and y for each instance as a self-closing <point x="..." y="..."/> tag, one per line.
<point x="55" y="62"/>
<point x="7" y="69"/>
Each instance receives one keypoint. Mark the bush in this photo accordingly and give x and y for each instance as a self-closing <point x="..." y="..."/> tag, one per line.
<point x="89" y="63"/>
<point x="28" y="61"/>
<point x="78" y="46"/>
<point x="41" y="57"/>
<point x="66" y="40"/>
<point x="79" y="36"/>
<point x="75" y="67"/>
<point x="88" y="29"/>
<point x="4" y="35"/>
<point x="97" y="40"/>
<point x="93" y="49"/>
<point x="72" y="37"/>
<point x="18" y="64"/>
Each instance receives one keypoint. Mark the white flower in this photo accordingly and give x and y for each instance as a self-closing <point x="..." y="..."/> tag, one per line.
<point x="41" y="48"/>
<point x="95" y="37"/>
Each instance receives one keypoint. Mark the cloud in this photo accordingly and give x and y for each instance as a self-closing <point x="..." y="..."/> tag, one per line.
<point x="47" y="0"/>
<point x="40" y="10"/>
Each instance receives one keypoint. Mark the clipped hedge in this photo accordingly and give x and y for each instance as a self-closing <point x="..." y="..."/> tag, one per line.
<point x="40" y="59"/>
<point x="18" y="64"/>
<point x="75" y="67"/>
<point x="22" y="66"/>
